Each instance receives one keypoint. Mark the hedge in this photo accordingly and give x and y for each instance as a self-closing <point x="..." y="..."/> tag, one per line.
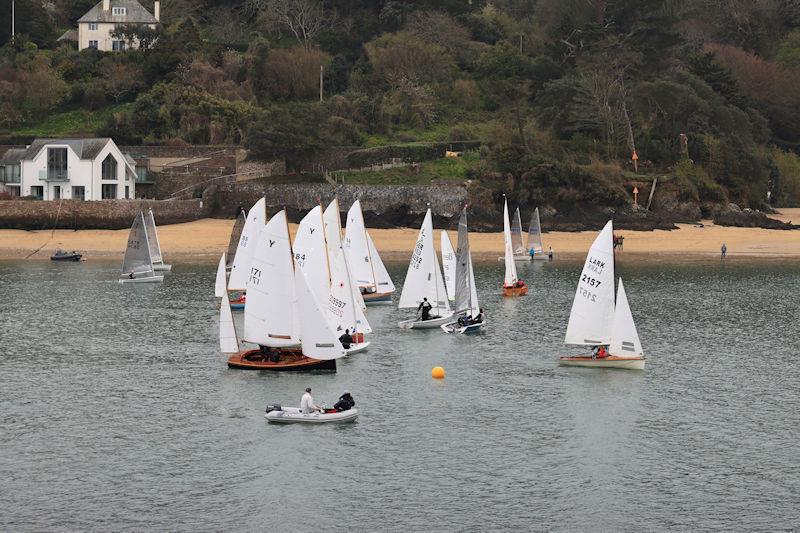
<point x="409" y="152"/>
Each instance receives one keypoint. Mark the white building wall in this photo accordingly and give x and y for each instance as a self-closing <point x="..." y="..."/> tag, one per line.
<point x="102" y="35"/>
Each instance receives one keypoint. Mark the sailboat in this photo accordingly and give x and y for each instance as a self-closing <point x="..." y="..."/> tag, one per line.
<point x="154" y="243"/>
<point x="137" y="265"/>
<point x="281" y="309"/>
<point x="535" y="237"/>
<point x="512" y="285"/>
<point x="240" y="267"/>
<point x="233" y="243"/>
<point x="327" y="279"/>
<point x="595" y="319"/>
<point x="520" y="252"/>
<point x="448" y="266"/>
<point x="366" y="266"/>
<point x="468" y="309"/>
<point x="424" y="280"/>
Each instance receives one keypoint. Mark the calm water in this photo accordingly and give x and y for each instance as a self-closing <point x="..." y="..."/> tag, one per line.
<point x="119" y="413"/>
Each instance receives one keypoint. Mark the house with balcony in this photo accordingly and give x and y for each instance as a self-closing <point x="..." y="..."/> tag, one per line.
<point x="96" y="26"/>
<point x="78" y="169"/>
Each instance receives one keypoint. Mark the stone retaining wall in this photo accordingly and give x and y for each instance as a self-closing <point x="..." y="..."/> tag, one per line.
<point x="105" y="214"/>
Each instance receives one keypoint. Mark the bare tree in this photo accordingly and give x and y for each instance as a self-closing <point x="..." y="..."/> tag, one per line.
<point x="305" y="19"/>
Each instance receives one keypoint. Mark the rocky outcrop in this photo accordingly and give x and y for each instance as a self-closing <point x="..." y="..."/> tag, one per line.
<point x="733" y="215"/>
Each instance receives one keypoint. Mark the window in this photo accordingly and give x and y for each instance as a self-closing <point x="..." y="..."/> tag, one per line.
<point x="78" y="193"/>
<point x="57" y="192"/>
<point x="57" y="164"/>
<point x="93" y="44"/>
<point x="118" y="46"/>
<point x="92" y="27"/>
<point x="38" y="191"/>
<point x="127" y="192"/>
<point x="141" y="173"/>
<point x="118" y="11"/>
<point x="109" y="191"/>
<point x="109" y="168"/>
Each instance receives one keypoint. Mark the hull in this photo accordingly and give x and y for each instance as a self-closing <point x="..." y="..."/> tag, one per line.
<point x="237" y="307"/>
<point x="289" y="361"/>
<point x="377" y="298"/>
<point x="357" y="348"/>
<point x="628" y="363"/>
<point x="292" y="415"/>
<point x="515" y="291"/>
<point x="148" y="279"/>
<point x="425" y="324"/>
<point x="161" y="267"/>
<point x="453" y="327"/>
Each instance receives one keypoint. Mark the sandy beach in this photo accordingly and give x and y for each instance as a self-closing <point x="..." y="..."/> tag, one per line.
<point x="207" y="239"/>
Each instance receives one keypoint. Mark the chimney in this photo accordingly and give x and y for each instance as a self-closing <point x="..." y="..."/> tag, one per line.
<point x="157" y="10"/>
<point x="106" y="5"/>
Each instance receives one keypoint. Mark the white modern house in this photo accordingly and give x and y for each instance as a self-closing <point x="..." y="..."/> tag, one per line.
<point x="79" y="169"/>
<point x="95" y="27"/>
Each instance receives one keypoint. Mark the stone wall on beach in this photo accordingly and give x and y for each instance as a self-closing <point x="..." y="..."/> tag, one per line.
<point x="105" y="214"/>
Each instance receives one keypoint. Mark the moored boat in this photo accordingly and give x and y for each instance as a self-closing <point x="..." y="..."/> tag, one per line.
<point x="596" y="320"/>
<point x="60" y="255"/>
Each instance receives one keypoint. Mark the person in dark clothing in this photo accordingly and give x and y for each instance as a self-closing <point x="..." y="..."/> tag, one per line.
<point x="425" y="307"/>
<point x="477" y="319"/>
<point x="346" y="339"/>
<point x="345" y="402"/>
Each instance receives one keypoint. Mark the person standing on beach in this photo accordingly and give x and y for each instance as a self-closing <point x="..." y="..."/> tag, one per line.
<point x="550" y="254"/>
<point x="724" y="249"/>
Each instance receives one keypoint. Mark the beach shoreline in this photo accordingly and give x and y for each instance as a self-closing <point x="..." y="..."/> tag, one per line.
<point x="206" y="239"/>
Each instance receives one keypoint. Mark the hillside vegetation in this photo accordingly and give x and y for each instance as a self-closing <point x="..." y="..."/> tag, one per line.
<point x="558" y="93"/>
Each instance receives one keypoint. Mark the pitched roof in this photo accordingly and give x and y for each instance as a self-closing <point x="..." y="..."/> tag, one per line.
<point x="69" y="35"/>
<point x="135" y="13"/>
<point x="85" y="148"/>
<point x="13" y="156"/>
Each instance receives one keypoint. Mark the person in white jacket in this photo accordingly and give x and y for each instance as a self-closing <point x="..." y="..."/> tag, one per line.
<point x="307" y="403"/>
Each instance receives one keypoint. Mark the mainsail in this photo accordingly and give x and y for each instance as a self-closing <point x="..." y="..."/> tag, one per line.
<point x="365" y="263"/>
<point x="270" y="316"/>
<point x="240" y="270"/>
<point x="152" y="237"/>
<point x="449" y="266"/>
<point x="516" y="234"/>
<point x="510" y="278"/>
<point x="466" y="295"/>
<point x="137" y="254"/>
<point x="535" y="234"/>
<point x="624" y="338"/>
<point x="592" y="315"/>
<point x="424" y="277"/>
<point x="311" y="253"/>
<point x="236" y="234"/>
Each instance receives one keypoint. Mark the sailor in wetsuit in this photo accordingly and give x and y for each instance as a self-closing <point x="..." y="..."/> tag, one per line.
<point x="346" y="339"/>
<point x="345" y="402"/>
<point x="425" y="307"/>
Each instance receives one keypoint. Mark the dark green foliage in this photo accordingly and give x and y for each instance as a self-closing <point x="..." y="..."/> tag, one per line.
<point x="409" y="152"/>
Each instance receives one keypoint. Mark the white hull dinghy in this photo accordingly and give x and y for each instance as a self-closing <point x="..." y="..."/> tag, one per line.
<point x="424" y="282"/>
<point x="357" y="348"/>
<point x="469" y="318"/>
<point x="137" y="265"/>
<point x="596" y="320"/>
<point x="277" y="414"/>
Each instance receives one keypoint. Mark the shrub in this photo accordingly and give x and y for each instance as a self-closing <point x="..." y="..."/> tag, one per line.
<point x="410" y="152"/>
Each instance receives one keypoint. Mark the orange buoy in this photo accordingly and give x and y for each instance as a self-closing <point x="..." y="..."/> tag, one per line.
<point x="437" y="372"/>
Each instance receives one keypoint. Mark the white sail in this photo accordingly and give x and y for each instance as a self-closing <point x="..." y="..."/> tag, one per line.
<point x="240" y="270"/>
<point x="516" y="234"/>
<point x="475" y="305"/>
<point x="311" y="253"/>
<point x="356" y="248"/>
<point x="220" y="281"/>
<point x="624" y="338"/>
<point x="592" y="314"/>
<point x="382" y="279"/>
<point x="424" y="277"/>
<point x="333" y="237"/>
<point x="510" y="277"/>
<point x="449" y="266"/>
<point x="137" y="259"/>
<point x="228" y="341"/>
<point x="535" y="234"/>
<point x="271" y="315"/>
<point x="466" y="295"/>
<point x="236" y="234"/>
<point x="319" y="339"/>
<point x="152" y="237"/>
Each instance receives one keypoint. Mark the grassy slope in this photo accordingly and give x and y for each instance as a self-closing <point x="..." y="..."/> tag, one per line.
<point x="78" y="122"/>
<point x="439" y="169"/>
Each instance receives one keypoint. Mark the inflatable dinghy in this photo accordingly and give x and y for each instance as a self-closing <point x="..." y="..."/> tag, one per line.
<point x="292" y="415"/>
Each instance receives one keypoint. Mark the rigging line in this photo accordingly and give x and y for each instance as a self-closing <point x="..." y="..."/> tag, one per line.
<point x="52" y="232"/>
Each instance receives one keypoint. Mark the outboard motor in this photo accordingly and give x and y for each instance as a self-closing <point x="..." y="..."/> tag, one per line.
<point x="273" y="407"/>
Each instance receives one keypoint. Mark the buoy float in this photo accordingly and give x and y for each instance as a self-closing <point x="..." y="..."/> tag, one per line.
<point x="437" y="372"/>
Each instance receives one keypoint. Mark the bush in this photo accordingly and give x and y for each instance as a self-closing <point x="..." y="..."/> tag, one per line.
<point x="411" y="152"/>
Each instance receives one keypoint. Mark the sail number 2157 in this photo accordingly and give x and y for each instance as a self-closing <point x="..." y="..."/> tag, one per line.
<point x="591" y="281"/>
<point x="587" y="294"/>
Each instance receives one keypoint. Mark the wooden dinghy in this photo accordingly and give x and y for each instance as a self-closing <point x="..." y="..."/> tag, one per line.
<point x="286" y="360"/>
<point x="512" y="285"/>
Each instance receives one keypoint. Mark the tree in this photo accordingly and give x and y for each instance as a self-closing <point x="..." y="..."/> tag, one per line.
<point x="305" y="19"/>
<point x="136" y="35"/>
<point x="287" y="132"/>
<point x="120" y="78"/>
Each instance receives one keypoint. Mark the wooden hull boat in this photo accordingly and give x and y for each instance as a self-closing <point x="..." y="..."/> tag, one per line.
<point x="455" y="327"/>
<point x="143" y="279"/>
<point x="515" y="291"/>
<point x="425" y="324"/>
<point x="292" y="415"/>
<point x="161" y="267"/>
<point x="628" y="363"/>
<point x="64" y="256"/>
<point x="288" y="361"/>
<point x="376" y="298"/>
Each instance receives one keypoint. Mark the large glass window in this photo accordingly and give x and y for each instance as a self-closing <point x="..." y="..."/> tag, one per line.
<point x="141" y="173"/>
<point x="57" y="164"/>
<point x="79" y="193"/>
<point x="109" y="191"/>
<point x="109" y="168"/>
